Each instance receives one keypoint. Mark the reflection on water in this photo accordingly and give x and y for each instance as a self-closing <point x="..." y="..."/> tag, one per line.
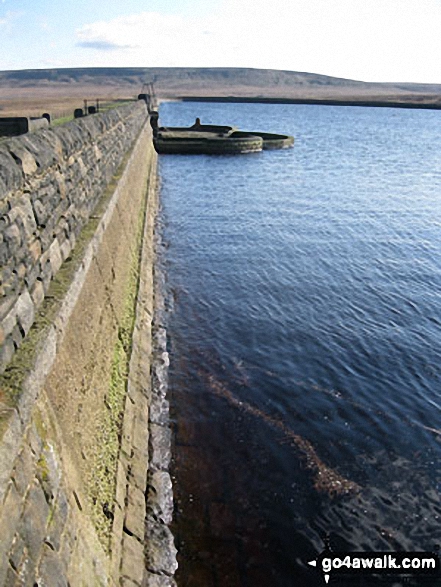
<point x="303" y="325"/>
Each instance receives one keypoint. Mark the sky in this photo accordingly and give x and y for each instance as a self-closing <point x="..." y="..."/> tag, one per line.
<point x="368" y="40"/>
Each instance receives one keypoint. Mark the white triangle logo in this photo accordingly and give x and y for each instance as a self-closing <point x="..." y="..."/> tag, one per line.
<point x="312" y="563"/>
<point x="326" y="578"/>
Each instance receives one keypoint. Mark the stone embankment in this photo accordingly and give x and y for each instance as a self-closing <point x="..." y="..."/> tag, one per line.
<point x="85" y="494"/>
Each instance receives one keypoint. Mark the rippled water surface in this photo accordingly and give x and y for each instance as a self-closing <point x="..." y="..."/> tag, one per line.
<point x="305" y="340"/>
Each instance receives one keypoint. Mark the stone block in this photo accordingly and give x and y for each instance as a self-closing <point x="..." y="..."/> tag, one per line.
<point x="152" y="580"/>
<point x="3" y="191"/>
<point x="26" y="215"/>
<point x="138" y="470"/>
<point x="6" y="353"/>
<point x="160" y="444"/>
<point x="26" y="572"/>
<point x="38" y="145"/>
<point x="4" y="253"/>
<point x="40" y="212"/>
<point x="135" y="512"/>
<point x="55" y="256"/>
<point x="5" y="304"/>
<point x="57" y="521"/>
<point x="116" y="543"/>
<point x="121" y="484"/>
<point x="159" y="411"/>
<point x="10" y="320"/>
<point x="65" y="249"/>
<point x="20" y="271"/>
<point x="4" y="568"/>
<point x="66" y="548"/>
<point x="132" y="566"/>
<point x="9" y="518"/>
<point x="160" y="549"/>
<point x="160" y="497"/>
<point x="24" y="470"/>
<point x="34" y="521"/>
<point x="23" y="158"/>
<point x="35" y="440"/>
<point x="12" y="237"/>
<point x="34" y="247"/>
<point x="48" y="472"/>
<point x="141" y="435"/>
<point x="25" y="311"/>
<point x="12" y="578"/>
<point x="37" y="293"/>
<point x="17" y="336"/>
<point x="32" y="269"/>
<point x="10" y="172"/>
<point x="51" y="571"/>
<point x="17" y="552"/>
<point x="46" y="275"/>
<point x="10" y="285"/>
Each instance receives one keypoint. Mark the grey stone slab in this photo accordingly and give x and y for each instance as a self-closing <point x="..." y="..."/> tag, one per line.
<point x="160" y="497"/>
<point x="17" y="552"/>
<point x="26" y="215"/>
<point x="4" y="568"/>
<point x="9" y="517"/>
<point x="6" y="353"/>
<point x="160" y="549"/>
<point x="51" y="571"/>
<point x="55" y="256"/>
<point x="27" y="572"/>
<point x="49" y="472"/>
<point x="41" y="149"/>
<point x="23" y="158"/>
<point x="10" y="173"/>
<point x="12" y="578"/>
<point x="152" y="580"/>
<point x="159" y="411"/>
<point x="160" y="447"/>
<point x="34" y="521"/>
<point x="9" y="448"/>
<point x="57" y="521"/>
<point x="24" y="470"/>
<point x="12" y="237"/>
<point x="25" y="311"/>
<point x="34" y="439"/>
<point x="37" y="293"/>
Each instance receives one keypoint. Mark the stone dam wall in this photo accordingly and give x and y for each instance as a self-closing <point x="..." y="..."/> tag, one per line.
<point x="49" y="185"/>
<point x="85" y="494"/>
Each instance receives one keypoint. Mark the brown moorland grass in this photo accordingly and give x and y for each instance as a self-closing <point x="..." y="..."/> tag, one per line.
<point x="59" y="92"/>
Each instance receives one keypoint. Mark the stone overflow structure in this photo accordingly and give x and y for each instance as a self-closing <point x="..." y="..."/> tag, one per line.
<point x="85" y="493"/>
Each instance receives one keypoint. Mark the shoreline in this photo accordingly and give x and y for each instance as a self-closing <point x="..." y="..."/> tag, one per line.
<point x="311" y="101"/>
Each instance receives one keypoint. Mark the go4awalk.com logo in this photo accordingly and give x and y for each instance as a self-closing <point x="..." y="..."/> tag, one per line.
<point x="377" y="563"/>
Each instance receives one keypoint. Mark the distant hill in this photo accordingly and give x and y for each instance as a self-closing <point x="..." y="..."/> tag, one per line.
<point x="176" y="82"/>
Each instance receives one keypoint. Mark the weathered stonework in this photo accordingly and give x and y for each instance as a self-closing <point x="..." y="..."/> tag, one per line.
<point x="50" y="183"/>
<point x="49" y="534"/>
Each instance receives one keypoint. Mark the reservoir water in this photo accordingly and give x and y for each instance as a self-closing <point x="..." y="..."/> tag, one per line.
<point x="304" y="331"/>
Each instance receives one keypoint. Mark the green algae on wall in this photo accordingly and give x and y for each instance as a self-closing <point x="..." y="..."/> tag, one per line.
<point x="102" y="482"/>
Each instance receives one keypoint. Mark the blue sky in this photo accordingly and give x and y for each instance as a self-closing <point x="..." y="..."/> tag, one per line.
<point x="371" y="40"/>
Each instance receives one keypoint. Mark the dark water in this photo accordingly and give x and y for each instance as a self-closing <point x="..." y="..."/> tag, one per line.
<point x="305" y="341"/>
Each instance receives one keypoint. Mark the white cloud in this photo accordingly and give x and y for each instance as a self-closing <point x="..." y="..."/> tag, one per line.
<point x="384" y="40"/>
